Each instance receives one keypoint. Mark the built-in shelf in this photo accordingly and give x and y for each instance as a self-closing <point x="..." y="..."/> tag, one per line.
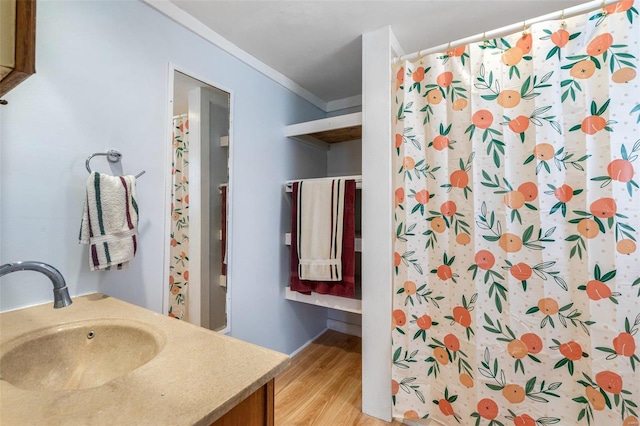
<point x="321" y="133"/>
<point x="358" y="245"/>
<point x="326" y="300"/>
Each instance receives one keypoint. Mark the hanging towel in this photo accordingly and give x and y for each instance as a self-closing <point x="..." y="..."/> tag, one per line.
<point x="110" y="221"/>
<point x="319" y="223"/>
<point x="345" y="285"/>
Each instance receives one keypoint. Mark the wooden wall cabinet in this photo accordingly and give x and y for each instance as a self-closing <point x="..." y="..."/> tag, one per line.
<point x="17" y="42"/>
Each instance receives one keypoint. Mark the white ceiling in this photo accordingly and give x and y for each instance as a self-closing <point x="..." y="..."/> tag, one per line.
<point x="317" y="44"/>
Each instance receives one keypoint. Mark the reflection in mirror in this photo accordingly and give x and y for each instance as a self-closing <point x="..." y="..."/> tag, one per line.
<point x="197" y="261"/>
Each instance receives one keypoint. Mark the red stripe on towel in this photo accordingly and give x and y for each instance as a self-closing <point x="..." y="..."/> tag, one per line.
<point x="129" y="222"/>
<point x="126" y="201"/>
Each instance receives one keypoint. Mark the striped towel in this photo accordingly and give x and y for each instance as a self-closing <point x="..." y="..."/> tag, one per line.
<point x="319" y="220"/>
<point x="110" y="221"/>
<point x="346" y="287"/>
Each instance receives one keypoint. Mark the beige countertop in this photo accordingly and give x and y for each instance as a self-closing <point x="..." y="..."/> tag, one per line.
<point x="196" y="378"/>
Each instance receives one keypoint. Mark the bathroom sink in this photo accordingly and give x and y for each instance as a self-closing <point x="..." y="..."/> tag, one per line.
<point x="78" y="355"/>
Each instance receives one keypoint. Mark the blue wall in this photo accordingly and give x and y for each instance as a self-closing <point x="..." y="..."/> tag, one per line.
<point x="101" y="82"/>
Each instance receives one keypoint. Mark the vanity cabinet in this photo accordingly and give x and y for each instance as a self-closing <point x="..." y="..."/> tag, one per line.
<point x="255" y="410"/>
<point x="340" y="137"/>
<point x="224" y="382"/>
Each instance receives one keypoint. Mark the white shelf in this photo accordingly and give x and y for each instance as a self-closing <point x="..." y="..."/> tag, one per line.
<point x="287" y="241"/>
<point x="327" y="301"/>
<point x="322" y="133"/>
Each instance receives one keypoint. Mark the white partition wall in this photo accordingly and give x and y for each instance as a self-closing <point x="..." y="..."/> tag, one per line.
<point x="377" y="267"/>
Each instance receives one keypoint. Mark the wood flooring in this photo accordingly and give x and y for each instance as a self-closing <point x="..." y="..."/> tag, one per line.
<point x="323" y="385"/>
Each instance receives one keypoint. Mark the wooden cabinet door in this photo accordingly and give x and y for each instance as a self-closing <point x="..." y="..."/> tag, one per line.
<point x="255" y="410"/>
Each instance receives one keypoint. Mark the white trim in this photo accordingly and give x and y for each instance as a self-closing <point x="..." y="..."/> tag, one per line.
<point x="350" y="102"/>
<point x="167" y="191"/>
<point x="229" y="185"/>
<point x="192" y="24"/>
<point x="566" y="13"/>
<point x="344" y="327"/>
<point x="313" y="339"/>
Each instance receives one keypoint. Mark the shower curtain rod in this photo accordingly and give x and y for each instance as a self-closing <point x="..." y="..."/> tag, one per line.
<point x="561" y="14"/>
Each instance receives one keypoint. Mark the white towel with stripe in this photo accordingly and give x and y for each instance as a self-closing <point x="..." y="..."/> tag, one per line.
<point x="320" y="215"/>
<point x="110" y="221"/>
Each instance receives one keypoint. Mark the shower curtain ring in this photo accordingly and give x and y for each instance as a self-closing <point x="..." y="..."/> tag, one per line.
<point x="604" y="11"/>
<point x="562" y="22"/>
<point x="524" y="27"/>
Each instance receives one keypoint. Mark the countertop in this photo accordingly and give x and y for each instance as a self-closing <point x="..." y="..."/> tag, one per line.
<point x="196" y="378"/>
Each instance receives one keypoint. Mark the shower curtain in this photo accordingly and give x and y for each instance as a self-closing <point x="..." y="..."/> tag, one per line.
<point x="179" y="249"/>
<point x="517" y="215"/>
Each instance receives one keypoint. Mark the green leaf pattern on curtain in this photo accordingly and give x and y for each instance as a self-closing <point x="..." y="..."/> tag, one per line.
<point x="179" y="250"/>
<point x="517" y="218"/>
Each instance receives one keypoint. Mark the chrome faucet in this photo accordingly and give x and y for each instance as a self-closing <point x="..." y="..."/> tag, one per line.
<point x="60" y="292"/>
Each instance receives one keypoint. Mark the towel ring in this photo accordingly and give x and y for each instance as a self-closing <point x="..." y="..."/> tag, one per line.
<point x="112" y="155"/>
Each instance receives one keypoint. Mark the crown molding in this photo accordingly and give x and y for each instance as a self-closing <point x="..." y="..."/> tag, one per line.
<point x="350" y="102"/>
<point x="194" y="25"/>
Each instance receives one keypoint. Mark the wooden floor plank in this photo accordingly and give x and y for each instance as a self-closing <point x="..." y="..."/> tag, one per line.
<point x="323" y="385"/>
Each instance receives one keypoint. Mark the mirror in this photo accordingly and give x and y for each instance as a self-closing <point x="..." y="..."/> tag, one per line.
<point x="17" y="42"/>
<point x="197" y="263"/>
